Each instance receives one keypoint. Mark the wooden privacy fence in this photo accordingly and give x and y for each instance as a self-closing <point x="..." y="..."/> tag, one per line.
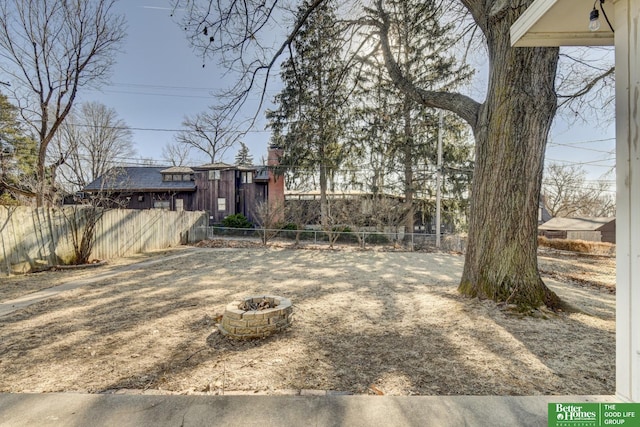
<point x="32" y="238"/>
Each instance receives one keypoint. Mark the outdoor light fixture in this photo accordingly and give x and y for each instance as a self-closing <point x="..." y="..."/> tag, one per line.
<point x="594" y="17"/>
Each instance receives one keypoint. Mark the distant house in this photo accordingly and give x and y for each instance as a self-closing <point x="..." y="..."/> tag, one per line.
<point x="219" y="189"/>
<point x="372" y="208"/>
<point x="361" y="204"/>
<point x="591" y="229"/>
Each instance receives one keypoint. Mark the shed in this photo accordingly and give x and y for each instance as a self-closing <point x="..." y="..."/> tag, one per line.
<point x="593" y="229"/>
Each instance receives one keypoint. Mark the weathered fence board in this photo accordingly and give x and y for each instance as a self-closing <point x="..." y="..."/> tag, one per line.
<point x="37" y="237"/>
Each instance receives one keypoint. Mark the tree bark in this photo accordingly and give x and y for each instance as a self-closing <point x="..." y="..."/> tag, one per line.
<point x="511" y="135"/>
<point x="407" y="150"/>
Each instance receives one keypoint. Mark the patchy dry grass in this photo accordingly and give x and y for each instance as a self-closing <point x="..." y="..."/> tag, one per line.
<point x="365" y="322"/>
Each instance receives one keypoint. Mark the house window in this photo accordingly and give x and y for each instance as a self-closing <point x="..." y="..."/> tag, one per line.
<point x="213" y="175"/>
<point x="167" y="177"/>
<point x="161" y="204"/>
<point x="222" y="204"/>
<point x="247" y="177"/>
<point x="140" y="198"/>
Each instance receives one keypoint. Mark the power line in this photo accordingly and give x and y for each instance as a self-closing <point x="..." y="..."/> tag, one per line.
<point x="593" y="163"/>
<point x="153" y="129"/>
<point x="571" y="145"/>
<point x="589" y="141"/>
<point x="210" y="90"/>
<point x="142" y="85"/>
<point x="187" y="88"/>
<point x="158" y="94"/>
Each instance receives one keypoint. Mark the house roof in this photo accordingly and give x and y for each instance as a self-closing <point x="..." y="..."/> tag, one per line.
<point x="262" y="174"/>
<point x="217" y="165"/>
<point x="222" y="165"/>
<point x="246" y="168"/>
<point x="178" y="169"/>
<point x="137" y="178"/>
<point x="576" y="224"/>
<point x="336" y="194"/>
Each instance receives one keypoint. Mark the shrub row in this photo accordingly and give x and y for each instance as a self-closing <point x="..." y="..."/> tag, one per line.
<point x="581" y="246"/>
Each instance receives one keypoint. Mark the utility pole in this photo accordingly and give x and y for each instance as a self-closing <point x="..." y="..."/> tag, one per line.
<point x="439" y="179"/>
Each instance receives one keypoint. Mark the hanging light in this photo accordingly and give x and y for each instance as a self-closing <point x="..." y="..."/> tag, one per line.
<point x="594" y="17"/>
<point x="594" y="20"/>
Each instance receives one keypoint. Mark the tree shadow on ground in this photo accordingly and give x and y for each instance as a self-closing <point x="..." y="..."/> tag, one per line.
<point x="393" y="324"/>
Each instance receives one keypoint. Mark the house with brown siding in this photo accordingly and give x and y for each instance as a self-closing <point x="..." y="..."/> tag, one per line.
<point x="220" y="189"/>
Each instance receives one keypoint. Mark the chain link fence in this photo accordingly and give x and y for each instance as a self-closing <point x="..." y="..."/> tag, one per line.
<point x="362" y="239"/>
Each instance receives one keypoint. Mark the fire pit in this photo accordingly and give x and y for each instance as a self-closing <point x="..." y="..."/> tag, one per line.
<point x="256" y="317"/>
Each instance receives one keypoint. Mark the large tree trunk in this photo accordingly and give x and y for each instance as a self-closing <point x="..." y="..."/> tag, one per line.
<point x="41" y="177"/>
<point x="511" y="134"/>
<point x="511" y="129"/>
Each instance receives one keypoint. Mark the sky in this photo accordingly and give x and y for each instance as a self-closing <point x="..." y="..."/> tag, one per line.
<point x="158" y="80"/>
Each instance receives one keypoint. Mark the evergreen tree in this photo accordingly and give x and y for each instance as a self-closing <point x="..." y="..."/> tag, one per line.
<point x="309" y="123"/>
<point x="243" y="157"/>
<point x="422" y="49"/>
<point x="18" y="155"/>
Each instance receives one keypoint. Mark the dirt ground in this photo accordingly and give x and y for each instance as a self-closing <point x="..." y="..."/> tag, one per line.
<point x="365" y="322"/>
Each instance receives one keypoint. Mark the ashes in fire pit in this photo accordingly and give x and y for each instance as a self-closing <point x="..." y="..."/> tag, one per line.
<point x="250" y="304"/>
<point x="256" y="317"/>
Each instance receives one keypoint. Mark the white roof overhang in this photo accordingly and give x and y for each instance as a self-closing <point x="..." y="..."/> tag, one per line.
<point x="561" y="23"/>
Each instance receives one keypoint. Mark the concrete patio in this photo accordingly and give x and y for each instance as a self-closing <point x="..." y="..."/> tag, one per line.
<point x="313" y="409"/>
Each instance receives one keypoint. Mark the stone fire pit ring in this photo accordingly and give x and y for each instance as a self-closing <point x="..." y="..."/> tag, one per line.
<point x="242" y="324"/>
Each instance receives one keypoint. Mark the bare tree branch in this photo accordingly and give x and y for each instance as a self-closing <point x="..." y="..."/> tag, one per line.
<point x="210" y="133"/>
<point x="51" y="49"/>
<point x="176" y="154"/>
<point x="92" y="140"/>
<point x="587" y="87"/>
<point x="235" y="28"/>
<point x="460" y="104"/>
<point x="585" y="83"/>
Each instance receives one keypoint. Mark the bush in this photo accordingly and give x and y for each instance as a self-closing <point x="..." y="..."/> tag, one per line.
<point x="345" y="234"/>
<point x="581" y="246"/>
<point x="377" y="239"/>
<point x="290" y="231"/>
<point x="236" y="221"/>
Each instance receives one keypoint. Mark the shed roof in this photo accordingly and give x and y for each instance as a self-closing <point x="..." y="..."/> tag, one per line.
<point x="137" y="178"/>
<point x="576" y="224"/>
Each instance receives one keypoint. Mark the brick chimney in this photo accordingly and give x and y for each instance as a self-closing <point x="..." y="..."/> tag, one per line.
<point x="276" y="182"/>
